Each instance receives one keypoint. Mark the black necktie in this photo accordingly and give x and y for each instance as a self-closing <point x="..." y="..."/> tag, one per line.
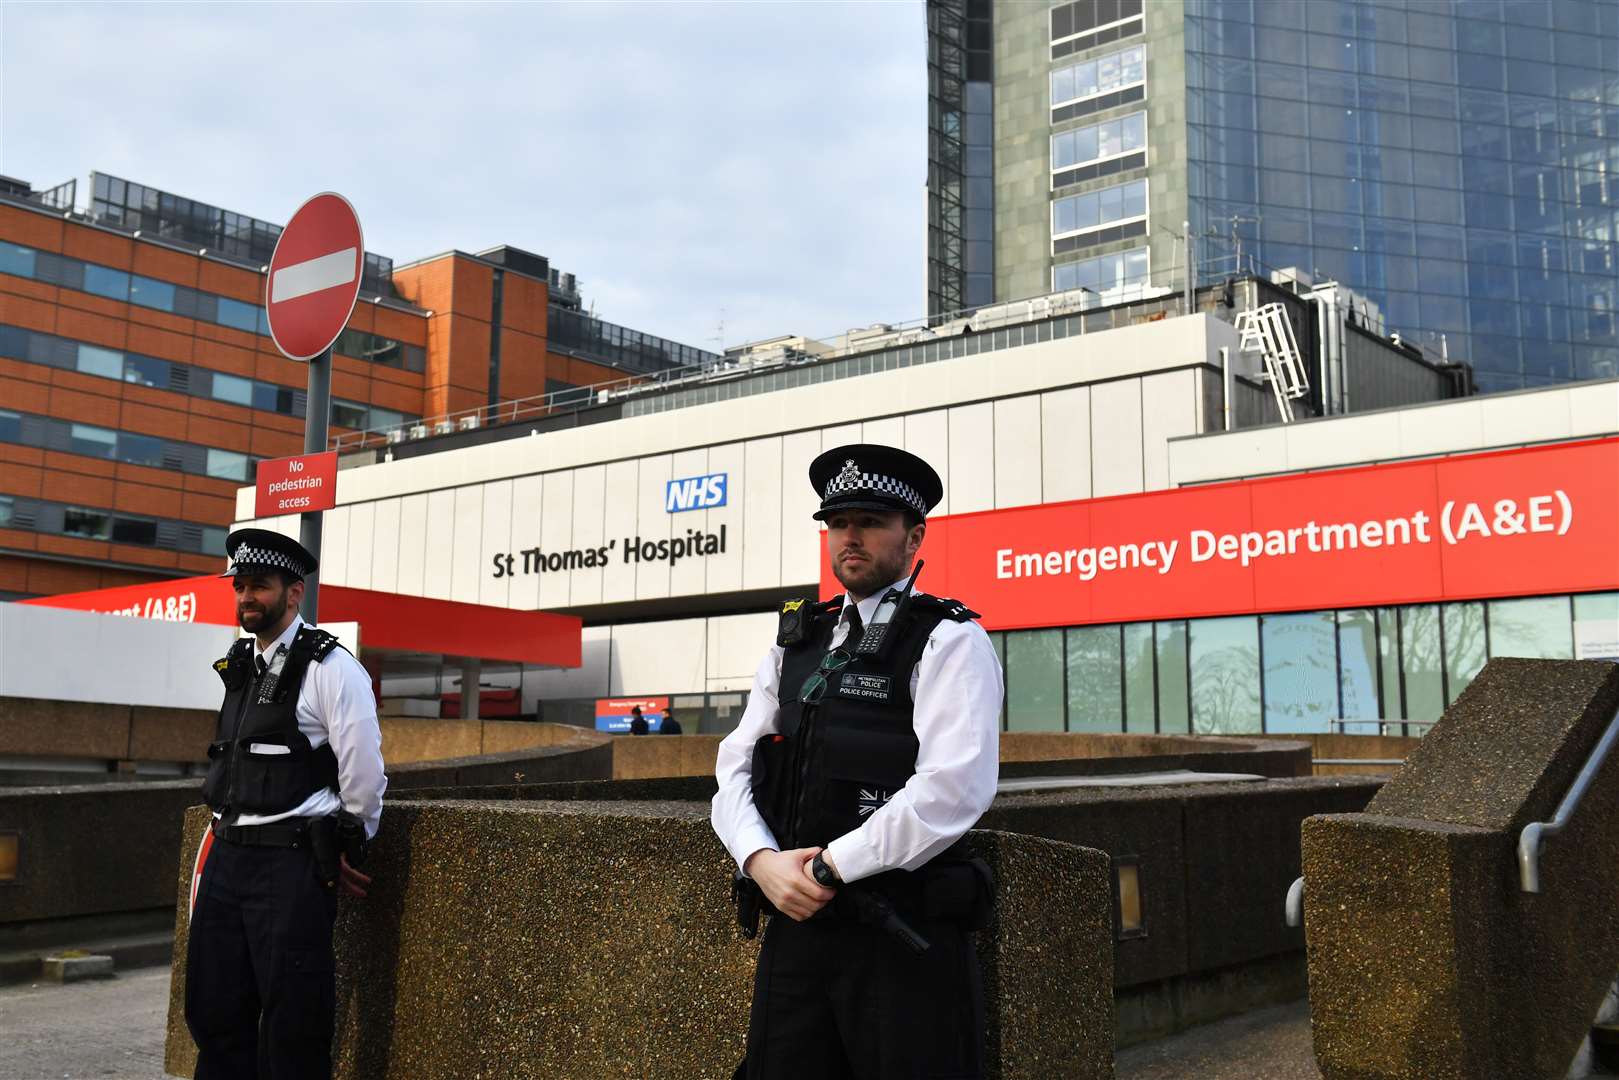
<point x="262" y="666"/>
<point x="856" y="628"/>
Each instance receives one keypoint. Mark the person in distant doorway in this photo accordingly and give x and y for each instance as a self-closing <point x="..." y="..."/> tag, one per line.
<point x="670" y="725"/>
<point x="295" y="781"/>
<point x="638" y="724"/>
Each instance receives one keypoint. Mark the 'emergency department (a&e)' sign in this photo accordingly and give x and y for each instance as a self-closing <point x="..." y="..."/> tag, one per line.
<point x="296" y="485"/>
<point x="1536" y="521"/>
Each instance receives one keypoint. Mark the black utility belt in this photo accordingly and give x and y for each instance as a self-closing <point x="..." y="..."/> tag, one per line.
<point x="958" y="891"/>
<point x="287" y="833"/>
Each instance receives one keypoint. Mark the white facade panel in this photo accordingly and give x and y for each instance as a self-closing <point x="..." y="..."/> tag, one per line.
<point x="842" y="435"/>
<point x="1169" y="408"/>
<point x="723" y="572"/>
<point x="362" y="533"/>
<point x="589" y="502"/>
<point x="889" y="431"/>
<point x="467" y="544"/>
<point x="1594" y="409"/>
<point x="440" y="560"/>
<point x="1065" y="444"/>
<point x="1519" y="418"/>
<point x="761" y="495"/>
<point x="927" y="435"/>
<point x="656" y="658"/>
<point x="385" y="547"/>
<point x="1018" y="479"/>
<point x="651" y="525"/>
<point x="969" y="475"/>
<point x="1319" y="445"/>
<point x="1116" y="465"/>
<point x="737" y="644"/>
<point x="619" y="515"/>
<point x="528" y="513"/>
<point x="556" y="536"/>
<point x="495" y="537"/>
<point x="1241" y="453"/>
<point x="800" y="533"/>
<point x="334" y="544"/>
<point x="413" y="533"/>
<point x="687" y="577"/>
<point x="1440" y="429"/>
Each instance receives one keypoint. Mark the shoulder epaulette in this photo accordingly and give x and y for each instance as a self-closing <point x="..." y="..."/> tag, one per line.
<point x="953" y="610"/>
<point x="319" y="642"/>
<point x="798" y="617"/>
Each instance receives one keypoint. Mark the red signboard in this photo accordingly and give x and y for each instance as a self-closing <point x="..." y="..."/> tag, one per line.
<point x="613" y="714"/>
<point x="1541" y="520"/>
<point x="314" y="276"/>
<point x="296" y="485"/>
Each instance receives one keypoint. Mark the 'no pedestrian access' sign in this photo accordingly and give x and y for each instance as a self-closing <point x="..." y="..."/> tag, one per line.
<point x="296" y="485"/>
<point x="314" y="276"/>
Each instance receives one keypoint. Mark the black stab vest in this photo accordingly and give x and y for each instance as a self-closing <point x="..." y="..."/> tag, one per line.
<point x="259" y="762"/>
<point x="834" y="763"/>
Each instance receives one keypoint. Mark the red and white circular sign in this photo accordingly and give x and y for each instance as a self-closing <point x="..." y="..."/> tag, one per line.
<point x="314" y="276"/>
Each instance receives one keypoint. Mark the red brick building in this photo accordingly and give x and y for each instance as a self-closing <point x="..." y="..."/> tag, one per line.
<point x="141" y="387"/>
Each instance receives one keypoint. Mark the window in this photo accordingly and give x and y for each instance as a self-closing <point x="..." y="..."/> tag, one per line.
<point x="140" y="449"/>
<point x="6" y="505"/>
<point x="1097" y="209"/>
<point x="127" y="530"/>
<point x="1095" y="695"/>
<point x="87" y="524"/>
<point x="1464" y="645"/>
<point x="233" y="389"/>
<point x="1108" y="139"/>
<point x="1596" y="626"/>
<point x="151" y="293"/>
<point x="1224" y="656"/>
<point x="236" y="314"/>
<point x="1301" y="671"/>
<point x="146" y="371"/>
<point x="1034" y="678"/>
<point x="104" y="362"/>
<point x="1537" y="627"/>
<point x="348" y="414"/>
<point x="1174" y="700"/>
<point x="92" y="441"/>
<point x="227" y="464"/>
<point x="10" y="426"/>
<point x="16" y="259"/>
<point x="104" y="281"/>
<point x="1120" y="269"/>
<point x="1421" y="663"/>
<point x="1099" y="76"/>
<point x="1357" y="671"/>
<point x="213" y="540"/>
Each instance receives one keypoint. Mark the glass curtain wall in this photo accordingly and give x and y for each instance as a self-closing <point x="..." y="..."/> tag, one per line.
<point x="1314" y="671"/>
<point x="1453" y="162"/>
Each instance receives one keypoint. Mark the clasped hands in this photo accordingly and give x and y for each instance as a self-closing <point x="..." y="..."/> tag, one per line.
<point x="785" y="879"/>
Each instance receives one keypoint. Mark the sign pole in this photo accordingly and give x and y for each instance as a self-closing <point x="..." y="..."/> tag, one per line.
<point x="317" y="421"/>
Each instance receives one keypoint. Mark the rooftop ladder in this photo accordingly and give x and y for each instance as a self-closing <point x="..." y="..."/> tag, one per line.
<point x="1265" y="330"/>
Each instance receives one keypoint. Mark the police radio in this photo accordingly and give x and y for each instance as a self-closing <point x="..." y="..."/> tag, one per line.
<point x="874" y="640"/>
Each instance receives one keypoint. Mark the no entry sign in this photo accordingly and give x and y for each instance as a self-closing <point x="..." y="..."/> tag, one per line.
<point x="314" y="276"/>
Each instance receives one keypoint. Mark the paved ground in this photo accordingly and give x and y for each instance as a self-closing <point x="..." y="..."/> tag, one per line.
<point x="103" y="1028"/>
<point x="1269" y="1044"/>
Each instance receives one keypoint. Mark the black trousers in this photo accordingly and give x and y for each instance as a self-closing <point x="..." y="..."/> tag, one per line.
<point x="260" y="989"/>
<point x="839" y="1000"/>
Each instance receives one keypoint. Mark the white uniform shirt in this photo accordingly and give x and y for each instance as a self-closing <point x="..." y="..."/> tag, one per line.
<point x="336" y="705"/>
<point x="956" y="688"/>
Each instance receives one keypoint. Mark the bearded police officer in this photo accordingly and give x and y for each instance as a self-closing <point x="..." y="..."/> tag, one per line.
<point x="295" y="780"/>
<point x="870" y="744"/>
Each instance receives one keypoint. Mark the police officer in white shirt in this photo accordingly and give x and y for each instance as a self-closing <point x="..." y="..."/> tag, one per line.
<point x="295" y="780"/>
<point x="870" y="744"/>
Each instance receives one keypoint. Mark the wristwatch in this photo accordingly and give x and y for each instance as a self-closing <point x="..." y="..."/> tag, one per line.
<point x="823" y="874"/>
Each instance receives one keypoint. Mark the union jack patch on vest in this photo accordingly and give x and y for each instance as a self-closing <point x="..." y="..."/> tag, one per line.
<point x="873" y="799"/>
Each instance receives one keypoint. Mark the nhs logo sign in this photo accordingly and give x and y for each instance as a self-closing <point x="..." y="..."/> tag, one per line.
<point x="694" y="493"/>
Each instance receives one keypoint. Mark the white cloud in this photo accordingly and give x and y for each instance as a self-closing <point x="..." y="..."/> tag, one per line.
<point x="681" y="158"/>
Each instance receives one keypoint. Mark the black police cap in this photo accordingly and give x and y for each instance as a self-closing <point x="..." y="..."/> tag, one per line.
<point x="258" y="551"/>
<point x="866" y="476"/>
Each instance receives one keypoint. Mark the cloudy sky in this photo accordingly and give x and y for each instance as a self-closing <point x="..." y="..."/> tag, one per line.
<point x="757" y="164"/>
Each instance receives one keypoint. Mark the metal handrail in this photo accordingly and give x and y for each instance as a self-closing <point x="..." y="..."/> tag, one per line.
<point x="1382" y="725"/>
<point x="1535" y="832"/>
<point x="1295" y="902"/>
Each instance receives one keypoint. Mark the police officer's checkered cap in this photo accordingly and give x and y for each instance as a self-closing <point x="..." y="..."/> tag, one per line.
<point x="255" y="550"/>
<point x="852" y="481"/>
<point x="870" y="476"/>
